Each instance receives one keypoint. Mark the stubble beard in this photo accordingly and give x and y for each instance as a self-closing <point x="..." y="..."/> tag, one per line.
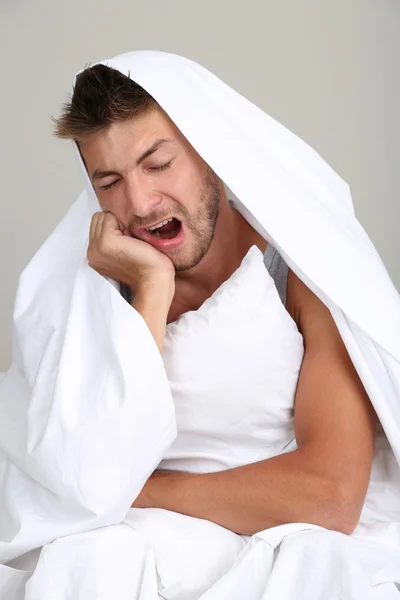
<point x="202" y="227"/>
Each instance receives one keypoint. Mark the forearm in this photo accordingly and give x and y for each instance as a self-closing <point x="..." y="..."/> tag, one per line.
<point x="253" y="497"/>
<point x="152" y="301"/>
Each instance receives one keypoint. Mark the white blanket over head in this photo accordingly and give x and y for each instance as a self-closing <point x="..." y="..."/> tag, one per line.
<point x="86" y="413"/>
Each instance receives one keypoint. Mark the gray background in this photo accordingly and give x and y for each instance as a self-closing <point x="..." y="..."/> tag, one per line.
<point x="327" y="70"/>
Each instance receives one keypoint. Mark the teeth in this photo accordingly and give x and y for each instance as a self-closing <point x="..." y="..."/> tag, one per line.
<point x="159" y="225"/>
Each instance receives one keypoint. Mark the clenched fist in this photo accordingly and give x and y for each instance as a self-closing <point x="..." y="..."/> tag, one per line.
<point x="122" y="257"/>
<point x="149" y="272"/>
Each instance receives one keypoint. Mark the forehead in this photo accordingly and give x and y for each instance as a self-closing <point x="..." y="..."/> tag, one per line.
<point x="127" y="140"/>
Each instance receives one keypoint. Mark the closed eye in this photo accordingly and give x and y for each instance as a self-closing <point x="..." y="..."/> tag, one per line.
<point x="109" y="185"/>
<point x="153" y="169"/>
<point x="161" y="167"/>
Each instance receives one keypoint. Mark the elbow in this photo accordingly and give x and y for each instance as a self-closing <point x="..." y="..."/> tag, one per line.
<point x="341" y="510"/>
<point x="343" y="524"/>
<point x="347" y="529"/>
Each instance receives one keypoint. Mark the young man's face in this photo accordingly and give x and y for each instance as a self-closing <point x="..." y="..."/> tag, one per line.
<point x="144" y="171"/>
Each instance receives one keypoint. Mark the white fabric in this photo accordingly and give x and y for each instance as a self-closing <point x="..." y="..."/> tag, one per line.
<point x="112" y="562"/>
<point x="190" y="554"/>
<point x="232" y="368"/>
<point x="86" y="412"/>
<point x="78" y="437"/>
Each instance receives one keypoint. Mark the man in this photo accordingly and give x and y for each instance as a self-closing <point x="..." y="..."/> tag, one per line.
<point x="167" y="231"/>
<point x="145" y="173"/>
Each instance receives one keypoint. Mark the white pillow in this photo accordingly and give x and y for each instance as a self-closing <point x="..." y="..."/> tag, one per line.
<point x="232" y="367"/>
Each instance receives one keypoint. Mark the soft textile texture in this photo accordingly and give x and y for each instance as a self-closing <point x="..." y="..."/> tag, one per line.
<point x="232" y="368"/>
<point x="190" y="554"/>
<point x="86" y="411"/>
<point x="278" y="270"/>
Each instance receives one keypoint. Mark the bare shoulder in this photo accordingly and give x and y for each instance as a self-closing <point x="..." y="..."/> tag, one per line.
<point x="327" y="366"/>
<point x="306" y="309"/>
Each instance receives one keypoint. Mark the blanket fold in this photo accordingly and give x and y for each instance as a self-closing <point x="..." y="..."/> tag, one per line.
<point x="86" y="412"/>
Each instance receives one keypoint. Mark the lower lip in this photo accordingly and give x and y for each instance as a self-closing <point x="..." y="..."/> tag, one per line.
<point x="163" y="244"/>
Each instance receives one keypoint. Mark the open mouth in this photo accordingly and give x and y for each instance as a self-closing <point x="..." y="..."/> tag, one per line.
<point x="166" y="230"/>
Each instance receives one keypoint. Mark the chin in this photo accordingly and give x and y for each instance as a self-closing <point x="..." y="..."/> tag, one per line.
<point x="185" y="262"/>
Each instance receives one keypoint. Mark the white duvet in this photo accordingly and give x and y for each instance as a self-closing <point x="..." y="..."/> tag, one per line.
<point x="78" y="433"/>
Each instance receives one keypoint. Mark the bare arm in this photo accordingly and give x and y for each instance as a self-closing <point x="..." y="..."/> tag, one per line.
<point x="149" y="273"/>
<point x="325" y="480"/>
<point x="152" y="301"/>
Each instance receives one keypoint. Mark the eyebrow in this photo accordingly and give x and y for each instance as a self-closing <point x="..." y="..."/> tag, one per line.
<point x="99" y="173"/>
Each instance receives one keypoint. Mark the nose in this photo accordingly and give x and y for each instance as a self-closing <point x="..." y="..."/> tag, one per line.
<point x="141" y="198"/>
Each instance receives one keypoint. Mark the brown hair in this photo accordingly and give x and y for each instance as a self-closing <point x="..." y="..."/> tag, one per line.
<point x="101" y="96"/>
